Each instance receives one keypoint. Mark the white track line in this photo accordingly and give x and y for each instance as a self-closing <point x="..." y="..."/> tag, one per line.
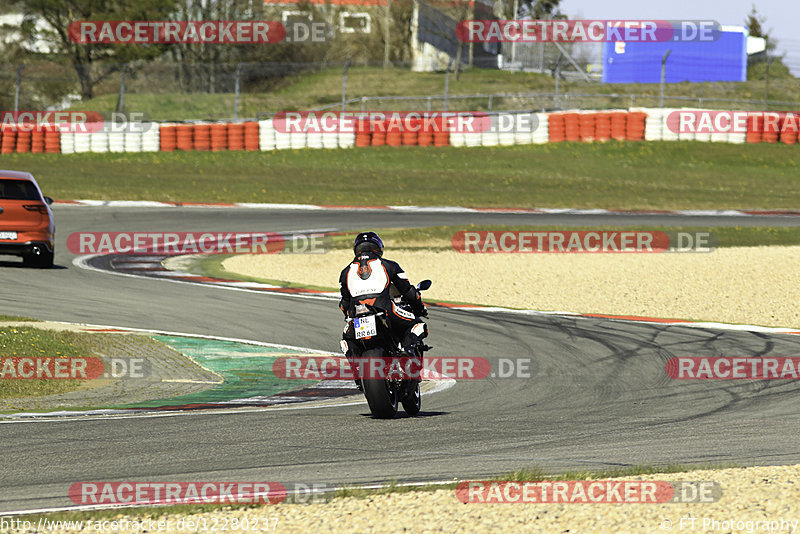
<point x="424" y="209"/>
<point x="82" y="263"/>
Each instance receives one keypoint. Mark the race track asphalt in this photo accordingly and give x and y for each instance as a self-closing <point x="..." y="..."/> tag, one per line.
<point x="598" y="396"/>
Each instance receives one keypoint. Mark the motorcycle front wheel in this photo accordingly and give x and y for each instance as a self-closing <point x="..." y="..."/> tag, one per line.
<point x="381" y="397"/>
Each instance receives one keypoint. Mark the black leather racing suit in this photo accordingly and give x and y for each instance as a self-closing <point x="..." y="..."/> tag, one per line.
<point x="373" y="280"/>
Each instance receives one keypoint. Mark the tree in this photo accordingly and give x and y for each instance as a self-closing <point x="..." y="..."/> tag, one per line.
<point x="211" y="67"/>
<point x="540" y="9"/>
<point x="765" y="63"/>
<point x="529" y="9"/>
<point x="755" y="23"/>
<point x="43" y="83"/>
<point x="92" y="62"/>
<point x="400" y="30"/>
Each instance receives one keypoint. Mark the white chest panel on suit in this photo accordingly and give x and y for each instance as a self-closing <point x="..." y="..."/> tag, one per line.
<point x="376" y="282"/>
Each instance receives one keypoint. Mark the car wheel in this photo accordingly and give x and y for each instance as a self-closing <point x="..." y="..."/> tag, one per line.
<point x="39" y="257"/>
<point x="45" y="260"/>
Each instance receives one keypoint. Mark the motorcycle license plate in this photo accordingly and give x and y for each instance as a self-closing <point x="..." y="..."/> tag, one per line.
<point x="365" y="327"/>
<point x="8" y="235"/>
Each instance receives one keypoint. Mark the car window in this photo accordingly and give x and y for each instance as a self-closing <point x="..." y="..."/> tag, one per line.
<point x="18" y="190"/>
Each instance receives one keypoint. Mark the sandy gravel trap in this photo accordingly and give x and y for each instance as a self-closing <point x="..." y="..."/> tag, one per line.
<point x="742" y="285"/>
<point x="755" y="499"/>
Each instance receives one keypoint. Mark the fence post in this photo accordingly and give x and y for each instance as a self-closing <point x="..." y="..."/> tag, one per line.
<point x="16" y="87"/>
<point x="558" y="75"/>
<point x="363" y="103"/>
<point x="766" y="87"/>
<point x="446" y="84"/>
<point x="429" y="103"/>
<point x="387" y="21"/>
<point x="663" y="77"/>
<point x="121" y="103"/>
<point x="490" y="102"/>
<point x="236" y="91"/>
<point x="344" y="83"/>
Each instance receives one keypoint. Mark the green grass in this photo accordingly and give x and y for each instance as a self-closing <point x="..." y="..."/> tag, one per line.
<point x="17" y="318"/>
<point x="36" y="343"/>
<point x="601" y="175"/>
<point x="307" y="91"/>
<point x="537" y="475"/>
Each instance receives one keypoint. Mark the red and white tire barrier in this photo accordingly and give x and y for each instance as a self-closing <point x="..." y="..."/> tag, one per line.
<point x="504" y="129"/>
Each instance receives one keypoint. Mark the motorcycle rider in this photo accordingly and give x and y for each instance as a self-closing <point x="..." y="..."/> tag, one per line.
<point x="373" y="280"/>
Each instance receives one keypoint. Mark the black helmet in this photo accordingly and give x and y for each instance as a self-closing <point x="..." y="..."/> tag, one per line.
<point x="368" y="241"/>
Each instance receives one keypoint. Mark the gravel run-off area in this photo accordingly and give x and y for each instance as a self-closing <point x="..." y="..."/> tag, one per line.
<point x="742" y="285"/>
<point x="754" y="499"/>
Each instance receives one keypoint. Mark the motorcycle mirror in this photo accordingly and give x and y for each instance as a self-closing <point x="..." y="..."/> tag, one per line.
<point x="48" y="200"/>
<point x="425" y="284"/>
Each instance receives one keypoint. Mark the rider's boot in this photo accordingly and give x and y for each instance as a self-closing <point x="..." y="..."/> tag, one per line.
<point x="348" y="353"/>
<point x="413" y="346"/>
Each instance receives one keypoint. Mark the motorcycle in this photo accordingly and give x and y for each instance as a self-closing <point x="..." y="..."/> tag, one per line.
<point x="392" y="377"/>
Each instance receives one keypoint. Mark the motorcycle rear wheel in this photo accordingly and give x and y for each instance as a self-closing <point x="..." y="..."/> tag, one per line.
<point x="412" y="400"/>
<point x="381" y="397"/>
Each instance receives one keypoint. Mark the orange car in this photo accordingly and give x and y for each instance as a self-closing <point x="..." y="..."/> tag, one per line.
<point x="26" y="221"/>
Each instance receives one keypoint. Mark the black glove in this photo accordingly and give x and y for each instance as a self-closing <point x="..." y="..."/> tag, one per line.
<point x="422" y="311"/>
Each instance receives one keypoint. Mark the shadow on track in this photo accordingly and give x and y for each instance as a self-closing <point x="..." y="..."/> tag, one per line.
<point x="403" y="415"/>
<point x="20" y="265"/>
